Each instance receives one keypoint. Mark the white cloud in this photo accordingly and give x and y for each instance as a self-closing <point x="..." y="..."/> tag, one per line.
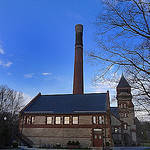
<point x="29" y="75"/>
<point x="46" y="73"/>
<point x="2" y="63"/>
<point x="8" y="64"/>
<point x="1" y="51"/>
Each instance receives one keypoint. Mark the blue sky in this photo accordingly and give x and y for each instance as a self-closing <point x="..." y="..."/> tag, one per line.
<point x="37" y="39"/>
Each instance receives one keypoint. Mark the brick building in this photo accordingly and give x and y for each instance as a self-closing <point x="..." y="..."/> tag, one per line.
<point x="86" y="118"/>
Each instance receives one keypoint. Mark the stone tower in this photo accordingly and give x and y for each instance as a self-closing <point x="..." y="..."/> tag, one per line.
<point x="78" y="64"/>
<point x="126" y="110"/>
<point x="125" y="105"/>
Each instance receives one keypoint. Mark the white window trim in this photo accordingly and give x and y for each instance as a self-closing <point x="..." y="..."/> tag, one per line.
<point x="74" y="121"/>
<point x="51" y="120"/>
<point x="66" y="120"/>
<point x="57" y="120"/>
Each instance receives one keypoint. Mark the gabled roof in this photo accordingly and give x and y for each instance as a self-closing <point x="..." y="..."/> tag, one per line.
<point x="115" y="111"/>
<point x="68" y="104"/>
<point x="123" y="82"/>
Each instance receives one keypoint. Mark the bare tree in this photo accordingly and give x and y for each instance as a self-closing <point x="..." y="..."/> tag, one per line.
<point x="123" y="41"/>
<point x="11" y="102"/>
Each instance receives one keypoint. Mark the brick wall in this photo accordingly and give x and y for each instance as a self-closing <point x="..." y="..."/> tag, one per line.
<point x="41" y="133"/>
<point x="41" y="136"/>
<point x="85" y="119"/>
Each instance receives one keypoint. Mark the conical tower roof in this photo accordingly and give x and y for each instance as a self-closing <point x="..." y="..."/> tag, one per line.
<point x="123" y="82"/>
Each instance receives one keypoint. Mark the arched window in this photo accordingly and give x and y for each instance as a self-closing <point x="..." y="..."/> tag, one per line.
<point x="94" y="119"/>
<point x="125" y="105"/>
<point x="125" y="126"/>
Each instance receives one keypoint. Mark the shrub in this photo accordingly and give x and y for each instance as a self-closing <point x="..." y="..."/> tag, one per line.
<point x="73" y="143"/>
<point x="107" y="144"/>
<point x="15" y="145"/>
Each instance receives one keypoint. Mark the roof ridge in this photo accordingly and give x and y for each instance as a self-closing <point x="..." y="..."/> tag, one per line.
<point x="72" y="94"/>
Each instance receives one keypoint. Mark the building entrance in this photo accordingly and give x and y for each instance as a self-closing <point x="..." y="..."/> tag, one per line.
<point x="97" y="138"/>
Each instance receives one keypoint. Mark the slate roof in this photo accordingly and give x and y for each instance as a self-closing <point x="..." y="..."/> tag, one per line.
<point x="115" y="111"/>
<point x="123" y="82"/>
<point x="68" y="104"/>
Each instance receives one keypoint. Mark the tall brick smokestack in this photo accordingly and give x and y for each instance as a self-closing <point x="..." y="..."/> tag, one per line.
<point x="78" y="64"/>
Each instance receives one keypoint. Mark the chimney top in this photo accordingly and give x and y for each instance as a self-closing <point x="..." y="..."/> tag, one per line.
<point x="79" y="28"/>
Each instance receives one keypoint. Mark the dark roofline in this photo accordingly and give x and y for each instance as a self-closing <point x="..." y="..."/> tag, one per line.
<point x="116" y="117"/>
<point x="75" y="113"/>
<point x="39" y="94"/>
<point x="72" y="94"/>
<point x="114" y="107"/>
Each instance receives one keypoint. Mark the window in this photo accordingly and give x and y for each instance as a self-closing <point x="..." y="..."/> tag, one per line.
<point x="101" y="120"/>
<point x="95" y="136"/>
<point x="30" y="119"/>
<point x="94" y="119"/>
<point x="57" y="120"/>
<point x="49" y="120"/>
<point x="116" y="130"/>
<point x="100" y="137"/>
<point x="125" y="105"/>
<point x="66" y="120"/>
<point x="75" y="120"/>
<point x="125" y="126"/>
<point x="125" y="115"/>
<point x="98" y="130"/>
